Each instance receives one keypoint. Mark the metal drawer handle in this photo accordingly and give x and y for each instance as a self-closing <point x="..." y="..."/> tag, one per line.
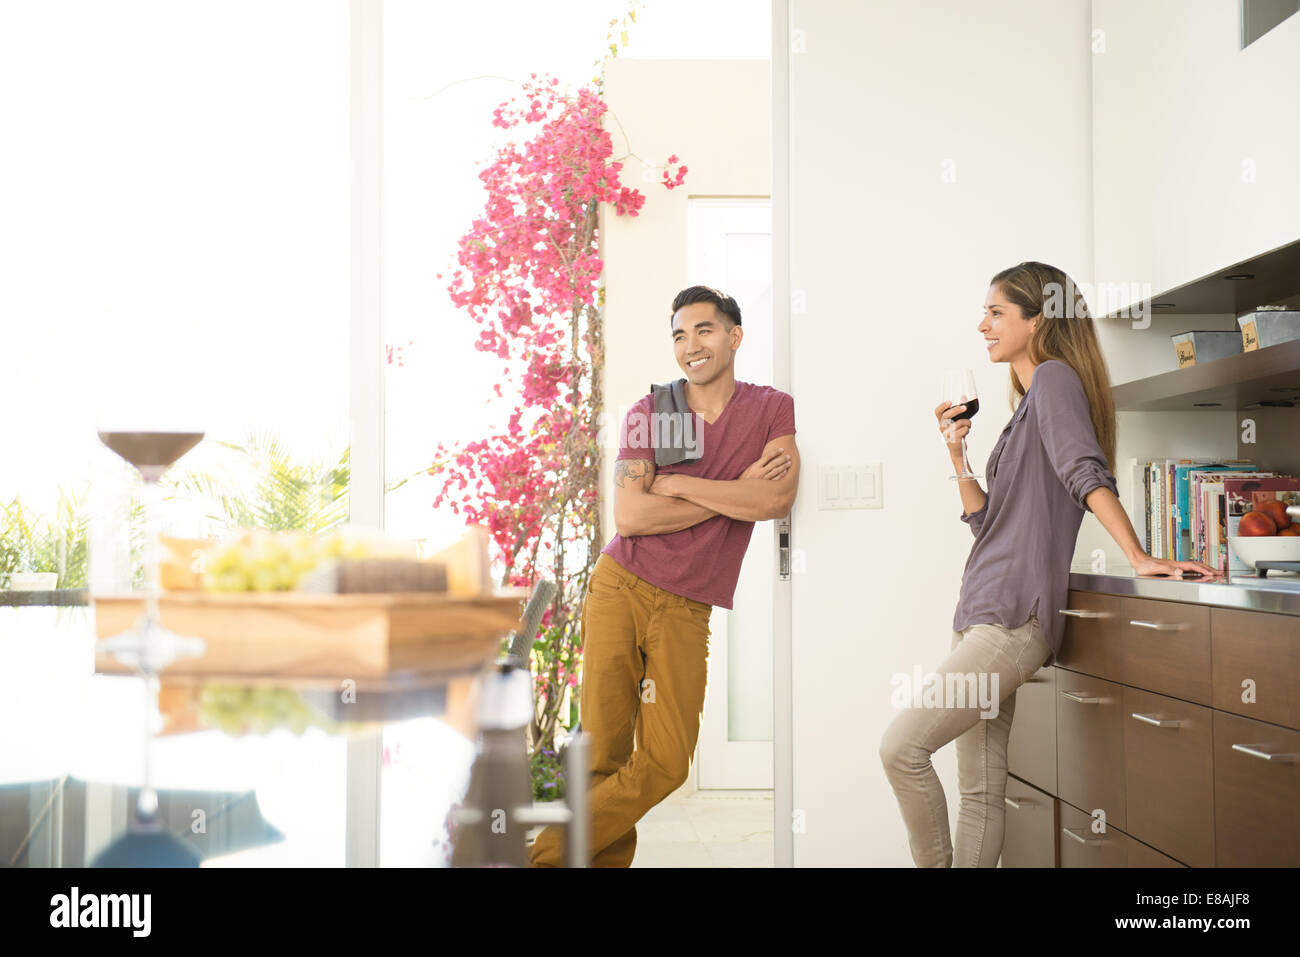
<point x="1021" y="804"/>
<point x="1091" y="842"/>
<point x="1083" y="613"/>
<point x="1158" y="721"/>
<point x="1254" y="751"/>
<point x="1157" y="625"/>
<point x="1081" y="697"/>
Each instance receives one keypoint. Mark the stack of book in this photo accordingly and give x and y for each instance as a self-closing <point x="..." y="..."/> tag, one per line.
<point x="1185" y="509"/>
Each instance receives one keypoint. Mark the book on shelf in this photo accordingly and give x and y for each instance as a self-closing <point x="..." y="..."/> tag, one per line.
<point x="1162" y="510"/>
<point x="1169" y="510"/>
<point x="1138" y="502"/>
<point x="1210" y="514"/>
<point x="1196" y="526"/>
<point x="1183" y="515"/>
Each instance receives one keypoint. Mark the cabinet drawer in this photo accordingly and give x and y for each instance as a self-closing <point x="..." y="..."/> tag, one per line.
<point x="1091" y="642"/>
<point x="1030" y="836"/>
<point x="1090" y="744"/>
<point x="1031" y="748"/>
<point x="1260" y="648"/>
<point x="1169" y="775"/>
<point x="1166" y="647"/>
<point x="1256" y="800"/>
<point x="1080" y="846"/>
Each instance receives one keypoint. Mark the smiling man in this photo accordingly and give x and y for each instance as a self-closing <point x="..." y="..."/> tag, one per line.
<point x="682" y="533"/>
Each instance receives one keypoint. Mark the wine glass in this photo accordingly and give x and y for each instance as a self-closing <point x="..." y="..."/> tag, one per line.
<point x="959" y="389"/>
<point x="147" y="646"/>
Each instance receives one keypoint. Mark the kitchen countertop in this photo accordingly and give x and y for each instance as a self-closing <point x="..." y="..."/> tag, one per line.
<point x="1278" y="593"/>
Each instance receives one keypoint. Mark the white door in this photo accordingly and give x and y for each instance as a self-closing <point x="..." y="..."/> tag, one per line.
<point x="730" y="248"/>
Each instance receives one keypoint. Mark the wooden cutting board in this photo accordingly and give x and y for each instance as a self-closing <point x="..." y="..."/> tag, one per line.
<point x="295" y="634"/>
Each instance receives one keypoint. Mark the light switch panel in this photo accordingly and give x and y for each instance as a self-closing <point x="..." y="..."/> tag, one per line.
<point x="849" y="486"/>
<point x="872" y="491"/>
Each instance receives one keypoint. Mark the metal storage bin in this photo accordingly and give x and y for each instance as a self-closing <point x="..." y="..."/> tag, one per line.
<point x="1205" y="345"/>
<point x="1268" y="327"/>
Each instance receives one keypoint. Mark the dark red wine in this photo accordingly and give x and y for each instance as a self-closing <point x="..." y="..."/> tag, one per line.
<point x="156" y="450"/>
<point x="972" y="407"/>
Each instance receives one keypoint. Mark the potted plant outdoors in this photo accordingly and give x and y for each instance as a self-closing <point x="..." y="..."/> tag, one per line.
<point x="42" y="554"/>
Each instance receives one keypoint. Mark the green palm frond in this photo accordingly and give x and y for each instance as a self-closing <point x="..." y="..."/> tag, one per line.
<point x="282" y="493"/>
<point x="33" y="542"/>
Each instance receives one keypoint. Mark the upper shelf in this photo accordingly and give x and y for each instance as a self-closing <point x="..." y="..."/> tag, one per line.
<point x="1269" y="376"/>
<point x="1276" y="275"/>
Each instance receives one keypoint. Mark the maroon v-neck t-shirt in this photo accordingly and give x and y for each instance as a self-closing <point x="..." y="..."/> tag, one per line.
<point x="703" y="562"/>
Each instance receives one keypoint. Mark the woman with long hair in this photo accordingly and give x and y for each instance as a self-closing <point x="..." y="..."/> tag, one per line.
<point x="1055" y="458"/>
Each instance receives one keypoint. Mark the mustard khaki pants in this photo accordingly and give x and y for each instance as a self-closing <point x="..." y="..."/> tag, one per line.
<point x="644" y="671"/>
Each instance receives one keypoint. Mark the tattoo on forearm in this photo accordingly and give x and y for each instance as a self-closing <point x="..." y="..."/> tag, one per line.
<point x="634" y="469"/>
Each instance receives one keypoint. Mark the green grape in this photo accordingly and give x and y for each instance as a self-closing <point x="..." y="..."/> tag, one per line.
<point x="241" y="710"/>
<point x="265" y="561"/>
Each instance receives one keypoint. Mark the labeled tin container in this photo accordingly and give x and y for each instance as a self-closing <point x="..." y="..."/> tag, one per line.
<point x="1205" y="345"/>
<point x="1268" y="327"/>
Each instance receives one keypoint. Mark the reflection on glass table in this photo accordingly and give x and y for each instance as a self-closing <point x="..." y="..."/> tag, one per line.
<point x="71" y="768"/>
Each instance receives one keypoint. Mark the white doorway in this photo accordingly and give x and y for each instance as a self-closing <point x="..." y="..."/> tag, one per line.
<point x="730" y="248"/>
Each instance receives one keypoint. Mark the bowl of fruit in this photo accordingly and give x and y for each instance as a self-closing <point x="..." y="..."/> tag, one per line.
<point x="1268" y="532"/>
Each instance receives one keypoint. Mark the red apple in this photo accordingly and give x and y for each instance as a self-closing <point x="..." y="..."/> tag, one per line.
<point x="1255" y="523"/>
<point x="1276" y="510"/>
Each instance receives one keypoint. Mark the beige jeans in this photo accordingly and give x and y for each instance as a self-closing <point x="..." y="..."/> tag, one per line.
<point x="982" y="651"/>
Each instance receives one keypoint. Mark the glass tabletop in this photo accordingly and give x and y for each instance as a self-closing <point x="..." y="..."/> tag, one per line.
<point x="72" y="763"/>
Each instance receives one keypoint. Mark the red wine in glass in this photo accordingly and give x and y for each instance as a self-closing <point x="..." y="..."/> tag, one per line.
<point x="959" y="389"/>
<point x="152" y="453"/>
<point x="149" y="647"/>
<point x="972" y="407"/>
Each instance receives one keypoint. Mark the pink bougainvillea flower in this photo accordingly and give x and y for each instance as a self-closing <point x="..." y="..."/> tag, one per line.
<point x="528" y="275"/>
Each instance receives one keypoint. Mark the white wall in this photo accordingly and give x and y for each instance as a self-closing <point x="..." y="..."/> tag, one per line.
<point x="1178" y="108"/>
<point x="894" y="264"/>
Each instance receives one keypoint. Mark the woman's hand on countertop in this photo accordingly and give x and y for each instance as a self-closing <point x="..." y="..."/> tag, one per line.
<point x="1173" y="569"/>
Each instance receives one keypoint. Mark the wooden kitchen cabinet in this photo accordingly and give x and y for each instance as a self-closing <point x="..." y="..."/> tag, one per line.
<point x="1162" y="646"/>
<point x="1169" y="775"/>
<point x="1084" y="843"/>
<point x="1090" y="744"/>
<point x="1256" y="793"/>
<point x="1031" y="748"/>
<point x="1165" y="647"/>
<point x="1031" y="826"/>
<point x="1092" y="644"/>
<point x="1256" y="670"/>
<point x="1148" y="724"/>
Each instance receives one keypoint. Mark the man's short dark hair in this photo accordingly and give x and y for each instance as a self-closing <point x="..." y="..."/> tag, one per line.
<point x="724" y="303"/>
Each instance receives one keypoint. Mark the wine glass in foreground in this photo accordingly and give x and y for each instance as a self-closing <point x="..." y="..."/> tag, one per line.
<point x="148" y="647"/>
<point x="959" y="389"/>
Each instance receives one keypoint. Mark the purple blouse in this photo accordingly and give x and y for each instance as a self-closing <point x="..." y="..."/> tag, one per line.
<point x="1039" y="474"/>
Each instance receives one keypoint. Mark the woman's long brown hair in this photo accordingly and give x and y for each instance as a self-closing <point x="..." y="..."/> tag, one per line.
<point x="1065" y="332"/>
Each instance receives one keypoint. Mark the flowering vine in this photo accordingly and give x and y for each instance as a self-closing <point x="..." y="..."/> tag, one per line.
<point x="529" y="275"/>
